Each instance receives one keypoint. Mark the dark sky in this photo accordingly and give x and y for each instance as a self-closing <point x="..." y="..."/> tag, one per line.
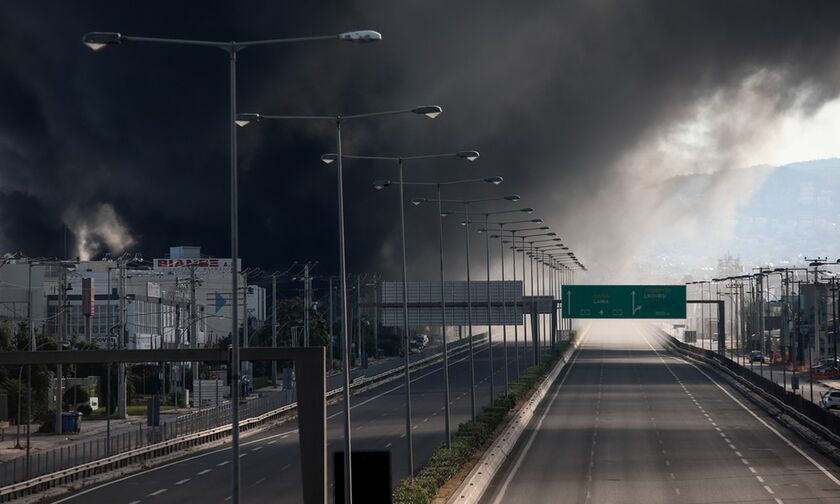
<point x="553" y="94"/>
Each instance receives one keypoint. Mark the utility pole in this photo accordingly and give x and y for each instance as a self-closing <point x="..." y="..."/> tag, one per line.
<point x="121" y="384"/>
<point x="194" y="335"/>
<point x="306" y="304"/>
<point x="816" y="263"/>
<point x="376" y="319"/>
<point x="59" y="371"/>
<point x="362" y="356"/>
<point x="332" y="322"/>
<point x="274" y="326"/>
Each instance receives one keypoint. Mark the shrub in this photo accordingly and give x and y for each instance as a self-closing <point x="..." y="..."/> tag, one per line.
<point x="470" y="437"/>
<point x="85" y="409"/>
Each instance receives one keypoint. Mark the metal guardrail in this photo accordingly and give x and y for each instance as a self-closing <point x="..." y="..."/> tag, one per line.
<point x="179" y="442"/>
<point x="805" y="412"/>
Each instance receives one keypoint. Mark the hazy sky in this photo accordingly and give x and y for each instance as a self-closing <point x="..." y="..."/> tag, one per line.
<point x="620" y="122"/>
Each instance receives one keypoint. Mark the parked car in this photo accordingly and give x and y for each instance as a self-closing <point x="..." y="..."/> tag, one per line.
<point x="421" y="340"/>
<point x="756" y="356"/>
<point x="830" y="399"/>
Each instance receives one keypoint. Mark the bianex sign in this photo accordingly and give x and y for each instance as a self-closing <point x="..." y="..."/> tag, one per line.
<point x="204" y="264"/>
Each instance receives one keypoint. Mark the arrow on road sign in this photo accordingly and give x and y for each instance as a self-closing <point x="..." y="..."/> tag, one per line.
<point x="633" y="301"/>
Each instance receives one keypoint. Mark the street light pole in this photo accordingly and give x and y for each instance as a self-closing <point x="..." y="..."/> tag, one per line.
<point x="99" y="40"/>
<point x="430" y="111"/>
<point x="405" y="331"/>
<point x="489" y="308"/>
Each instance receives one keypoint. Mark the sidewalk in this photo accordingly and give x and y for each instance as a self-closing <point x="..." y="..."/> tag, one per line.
<point x="91" y="431"/>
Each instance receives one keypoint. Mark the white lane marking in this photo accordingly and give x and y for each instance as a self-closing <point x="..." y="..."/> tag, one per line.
<point x="503" y="489"/>
<point x="225" y="462"/>
<point x="282" y="435"/>
<point x="388" y="445"/>
<point x="258" y="448"/>
<point x="760" y="479"/>
<point x="761" y="421"/>
<point x="272" y="441"/>
<point x="182" y="481"/>
<point x="245" y="455"/>
<point x="157" y="492"/>
<point x="769" y="490"/>
<point x="134" y="502"/>
<point x="202" y="473"/>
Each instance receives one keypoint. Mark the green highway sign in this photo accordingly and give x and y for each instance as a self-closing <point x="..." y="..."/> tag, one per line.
<point x="624" y="301"/>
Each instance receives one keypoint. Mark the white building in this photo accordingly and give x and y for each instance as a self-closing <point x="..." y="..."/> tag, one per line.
<point x="156" y="300"/>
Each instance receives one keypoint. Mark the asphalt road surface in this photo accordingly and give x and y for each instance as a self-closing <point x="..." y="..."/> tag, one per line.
<point x="271" y="461"/>
<point x="630" y="423"/>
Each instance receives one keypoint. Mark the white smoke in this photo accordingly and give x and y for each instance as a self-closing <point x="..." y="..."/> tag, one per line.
<point x="683" y="182"/>
<point x="98" y="230"/>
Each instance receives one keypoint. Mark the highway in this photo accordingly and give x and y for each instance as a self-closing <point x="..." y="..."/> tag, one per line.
<point x="630" y="423"/>
<point x="270" y="460"/>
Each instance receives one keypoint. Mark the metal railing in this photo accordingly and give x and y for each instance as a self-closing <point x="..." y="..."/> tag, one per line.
<point x="811" y="413"/>
<point x="67" y="463"/>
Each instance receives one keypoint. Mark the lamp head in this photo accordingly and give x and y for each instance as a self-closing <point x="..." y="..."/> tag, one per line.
<point x="528" y="210"/>
<point x="512" y="197"/>
<point x="99" y="40"/>
<point x="361" y="36"/>
<point x="243" y="120"/>
<point x="538" y="221"/>
<point x="430" y="111"/>
<point x="469" y="155"/>
<point x="329" y="158"/>
<point x="382" y="184"/>
<point x="418" y="201"/>
<point x="494" y="180"/>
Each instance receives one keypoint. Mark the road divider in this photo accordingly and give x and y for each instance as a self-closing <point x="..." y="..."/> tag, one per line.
<point x="473" y="437"/>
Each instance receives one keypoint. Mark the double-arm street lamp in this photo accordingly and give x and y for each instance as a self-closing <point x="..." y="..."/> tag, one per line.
<point x="469" y="155"/>
<point x="514" y="249"/>
<point x="430" y="111"/>
<point x="466" y="204"/>
<point x="528" y="245"/>
<point x="100" y="40"/>
<point x="382" y="184"/>
<point x="487" y="232"/>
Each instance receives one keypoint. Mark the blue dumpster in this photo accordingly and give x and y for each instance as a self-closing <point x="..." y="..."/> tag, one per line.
<point x="71" y="421"/>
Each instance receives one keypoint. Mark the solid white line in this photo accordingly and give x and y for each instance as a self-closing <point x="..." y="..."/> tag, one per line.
<point x="760" y="420"/>
<point x="503" y="489"/>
